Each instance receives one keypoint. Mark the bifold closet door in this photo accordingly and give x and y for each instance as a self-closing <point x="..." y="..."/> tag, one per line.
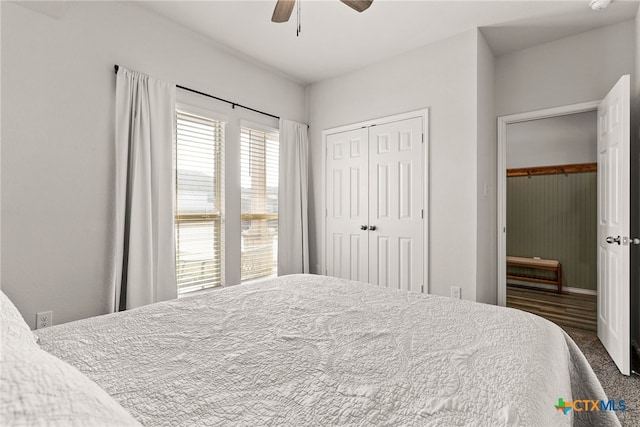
<point x="347" y="204"/>
<point x="396" y="222"/>
<point x="374" y="200"/>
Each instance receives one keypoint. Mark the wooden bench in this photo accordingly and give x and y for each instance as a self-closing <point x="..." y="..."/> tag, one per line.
<point x="536" y="264"/>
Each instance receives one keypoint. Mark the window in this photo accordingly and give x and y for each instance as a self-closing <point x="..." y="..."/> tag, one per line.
<point x="199" y="202"/>
<point x="259" y="202"/>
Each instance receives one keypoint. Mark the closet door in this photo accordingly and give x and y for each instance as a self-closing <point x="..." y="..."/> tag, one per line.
<point x="395" y="205"/>
<point x="347" y="205"/>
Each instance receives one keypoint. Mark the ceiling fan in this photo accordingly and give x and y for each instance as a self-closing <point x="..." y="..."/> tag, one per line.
<point x="283" y="9"/>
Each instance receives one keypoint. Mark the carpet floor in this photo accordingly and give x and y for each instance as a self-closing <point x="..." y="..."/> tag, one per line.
<point x="615" y="385"/>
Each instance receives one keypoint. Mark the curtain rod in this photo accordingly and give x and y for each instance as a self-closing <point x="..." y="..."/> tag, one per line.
<point x="233" y="104"/>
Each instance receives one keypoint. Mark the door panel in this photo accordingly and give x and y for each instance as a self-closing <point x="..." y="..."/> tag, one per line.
<point x="356" y="257"/>
<point x="395" y="200"/>
<point x="405" y="260"/>
<point x="405" y="196"/>
<point x="347" y="205"/>
<point x="613" y="224"/>
<point x="382" y="192"/>
<point x="383" y="265"/>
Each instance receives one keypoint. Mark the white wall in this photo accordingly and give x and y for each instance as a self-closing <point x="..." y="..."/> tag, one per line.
<point x="571" y="70"/>
<point x="442" y="77"/>
<point x="553" y="141"/>
<point x="486" y="289"/>
<point x="57" y="139"/>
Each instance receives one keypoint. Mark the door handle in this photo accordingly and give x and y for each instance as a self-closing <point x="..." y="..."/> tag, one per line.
<point x="372" y="227"/>
<point x="612" y="240"/>
<point x="363" y="227"/>
<point x="634" y="240"/>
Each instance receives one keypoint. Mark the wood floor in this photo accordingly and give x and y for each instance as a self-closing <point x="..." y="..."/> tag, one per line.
<point x="572" y="312"/>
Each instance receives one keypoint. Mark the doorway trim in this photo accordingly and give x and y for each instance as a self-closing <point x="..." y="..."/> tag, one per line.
<point x="503" y="121"/>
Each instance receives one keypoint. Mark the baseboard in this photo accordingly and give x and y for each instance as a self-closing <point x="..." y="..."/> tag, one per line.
<point x="567" y="289"/>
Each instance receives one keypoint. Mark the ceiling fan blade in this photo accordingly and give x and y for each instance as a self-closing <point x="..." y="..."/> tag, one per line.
<point x="283" y="10"/>
<point x="358" y="5"/>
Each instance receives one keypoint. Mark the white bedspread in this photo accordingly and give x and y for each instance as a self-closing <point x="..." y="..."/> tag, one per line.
<point x="318" y="351"/>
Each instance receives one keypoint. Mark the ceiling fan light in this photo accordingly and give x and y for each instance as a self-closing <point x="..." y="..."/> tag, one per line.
<point x="599" y="4"/>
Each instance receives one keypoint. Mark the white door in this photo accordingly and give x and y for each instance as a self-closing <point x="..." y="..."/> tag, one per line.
<point x="396" y="205"/>
<point x="347" y="204"/>
<point x="613" y="224"/>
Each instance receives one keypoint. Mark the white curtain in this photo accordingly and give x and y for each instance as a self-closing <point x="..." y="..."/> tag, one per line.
<point x="143" y="264"/>
<point x="293" y="230"/>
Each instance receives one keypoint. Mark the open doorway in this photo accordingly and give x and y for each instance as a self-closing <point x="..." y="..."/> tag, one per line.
<point x="613" y="213"/>
<point x="503" y="123"/>
<point x="551" y="208"/>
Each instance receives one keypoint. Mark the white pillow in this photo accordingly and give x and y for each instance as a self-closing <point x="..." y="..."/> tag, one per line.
<point x="37" y="388"/>
<point x="12" y="324"/>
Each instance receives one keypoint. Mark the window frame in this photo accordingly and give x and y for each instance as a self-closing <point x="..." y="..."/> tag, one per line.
<point x="218" y="219"/>
<point x="257" y="127"/>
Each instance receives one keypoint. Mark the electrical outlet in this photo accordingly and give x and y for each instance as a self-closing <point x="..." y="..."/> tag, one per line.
<point x="456" y="292"/>
<point x="44" y="319"/>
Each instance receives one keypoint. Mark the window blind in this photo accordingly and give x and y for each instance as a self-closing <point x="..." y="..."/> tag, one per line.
<point x="199" y="202"/>
<point x="259" y="152"/>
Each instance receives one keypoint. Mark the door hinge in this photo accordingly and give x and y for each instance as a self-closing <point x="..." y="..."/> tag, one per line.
<point x="423" y="138"/>
<point x="326" y="213"/>
<point x="422" y="213"/>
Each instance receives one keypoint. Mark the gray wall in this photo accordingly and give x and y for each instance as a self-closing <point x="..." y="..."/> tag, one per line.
<point x="575" y="69"/>
<point x="554" y="217"/>
<point x="441" y="76"/>
<point x="57" y="139"/>
<point x="487" y="251"/>
<point x="553" y="141"/>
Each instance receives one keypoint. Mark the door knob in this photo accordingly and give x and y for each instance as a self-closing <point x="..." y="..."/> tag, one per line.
<point x="612" y="240"/>
<point x="634" y="241"/>
<point x="372" y="227"/>
<point x="363" y="227"/>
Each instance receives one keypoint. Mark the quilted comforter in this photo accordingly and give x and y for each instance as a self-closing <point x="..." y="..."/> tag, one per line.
<point x="307" y="350"/>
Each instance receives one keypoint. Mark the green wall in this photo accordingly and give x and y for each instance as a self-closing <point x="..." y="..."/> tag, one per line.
<point x="554" y="217"/>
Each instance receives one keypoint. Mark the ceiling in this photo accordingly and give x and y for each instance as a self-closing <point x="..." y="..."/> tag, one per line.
<point x="335" y="39"/>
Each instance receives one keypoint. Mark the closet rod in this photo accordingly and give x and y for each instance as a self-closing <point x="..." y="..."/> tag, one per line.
<point x="233" y="104"/>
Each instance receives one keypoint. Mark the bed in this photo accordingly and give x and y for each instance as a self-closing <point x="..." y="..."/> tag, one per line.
<point x="305" y="350"/>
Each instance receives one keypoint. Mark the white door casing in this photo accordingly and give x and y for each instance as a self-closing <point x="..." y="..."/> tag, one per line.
<point x="613" y="224"/>
<point x="395" y="205"/>
<point x="347" y="205"/>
